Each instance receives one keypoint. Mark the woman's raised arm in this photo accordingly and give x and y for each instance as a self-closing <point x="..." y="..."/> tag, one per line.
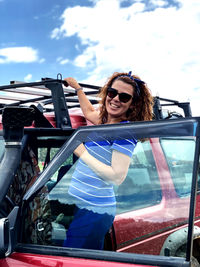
<point x="87" y="108"/>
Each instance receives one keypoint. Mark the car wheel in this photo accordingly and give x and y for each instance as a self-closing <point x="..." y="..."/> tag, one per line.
<point x="181" y="253"/>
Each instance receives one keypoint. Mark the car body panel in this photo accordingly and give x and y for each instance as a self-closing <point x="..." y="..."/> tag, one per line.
<point x="33" y="260"/>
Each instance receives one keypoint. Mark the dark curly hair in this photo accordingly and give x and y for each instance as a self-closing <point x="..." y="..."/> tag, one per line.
<point x="142" y="108"/>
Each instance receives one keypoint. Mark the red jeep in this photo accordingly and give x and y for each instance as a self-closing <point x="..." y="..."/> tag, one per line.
<point x="154" y="224"/>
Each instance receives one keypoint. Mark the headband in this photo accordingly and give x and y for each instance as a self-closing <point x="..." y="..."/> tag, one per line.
<point x="138" y="82"/>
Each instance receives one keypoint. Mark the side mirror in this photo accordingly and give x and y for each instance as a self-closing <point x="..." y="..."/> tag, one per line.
<point x="4" y="237"/>
<point x="8" y="233"/>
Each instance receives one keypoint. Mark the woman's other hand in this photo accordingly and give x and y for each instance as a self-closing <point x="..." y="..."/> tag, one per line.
<point x="72" y="82"/>
<point x="88" y="110"/>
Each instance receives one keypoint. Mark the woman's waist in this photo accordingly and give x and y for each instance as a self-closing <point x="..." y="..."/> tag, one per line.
<point x="107" y="206"/>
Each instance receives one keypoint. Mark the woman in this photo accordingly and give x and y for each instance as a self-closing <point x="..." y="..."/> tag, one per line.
<point x="103" y="163"/>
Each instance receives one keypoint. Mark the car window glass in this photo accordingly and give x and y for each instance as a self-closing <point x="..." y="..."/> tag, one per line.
<point x="49" y="210"/>
<point x="179" y="154"/>
<point x="147" y="203"/>
<point x="141" y="187"/>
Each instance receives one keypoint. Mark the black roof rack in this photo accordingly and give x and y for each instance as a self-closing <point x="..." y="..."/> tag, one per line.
<point x="53" y="95"/>
<point x="160" y="103"/>
<point x="19" y="93"/>
<point x="46" y="95"/>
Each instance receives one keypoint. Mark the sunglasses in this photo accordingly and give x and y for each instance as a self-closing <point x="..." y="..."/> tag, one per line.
<point x="123" y="97"/>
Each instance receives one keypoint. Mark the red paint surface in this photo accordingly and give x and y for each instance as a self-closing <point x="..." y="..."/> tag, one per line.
<point x="31" y="260"/>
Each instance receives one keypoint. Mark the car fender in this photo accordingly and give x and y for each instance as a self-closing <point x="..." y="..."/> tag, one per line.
<point x="177" y="239"/>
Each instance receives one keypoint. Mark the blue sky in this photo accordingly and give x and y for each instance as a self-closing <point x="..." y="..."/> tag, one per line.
<point x="90" y="39"/>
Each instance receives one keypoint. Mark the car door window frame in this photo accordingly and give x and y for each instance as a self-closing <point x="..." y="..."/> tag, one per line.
<point x="180" y="127"/>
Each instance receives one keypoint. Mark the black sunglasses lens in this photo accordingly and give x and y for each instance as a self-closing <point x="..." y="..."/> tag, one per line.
<point x="111" y="92"/>
<point x="123" y="97"/>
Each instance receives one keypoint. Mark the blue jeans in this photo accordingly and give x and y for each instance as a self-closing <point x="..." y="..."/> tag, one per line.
<point x="88" y="229"/>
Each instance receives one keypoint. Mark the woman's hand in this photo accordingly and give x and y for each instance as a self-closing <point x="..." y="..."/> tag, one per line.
<point x="72" y="82"/>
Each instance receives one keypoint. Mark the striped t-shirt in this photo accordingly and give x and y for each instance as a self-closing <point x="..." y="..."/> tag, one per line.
<point x="88" y="189"/>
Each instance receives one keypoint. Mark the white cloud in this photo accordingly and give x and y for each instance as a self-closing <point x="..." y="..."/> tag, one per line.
<point x="157" y="2"/>
<point x="18" y="55"/>
<point x="28" y="78"/>
<point x="62" y="61"/>
<point x="161" y="46"/>
<point x="42" y="60"/>
<point x="55" y="33"/>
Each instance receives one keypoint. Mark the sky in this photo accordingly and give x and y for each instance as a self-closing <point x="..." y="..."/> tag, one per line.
<point x="158" y="40"/>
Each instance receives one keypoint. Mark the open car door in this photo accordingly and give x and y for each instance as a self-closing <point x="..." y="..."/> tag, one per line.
<point x="51" y="192"/>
